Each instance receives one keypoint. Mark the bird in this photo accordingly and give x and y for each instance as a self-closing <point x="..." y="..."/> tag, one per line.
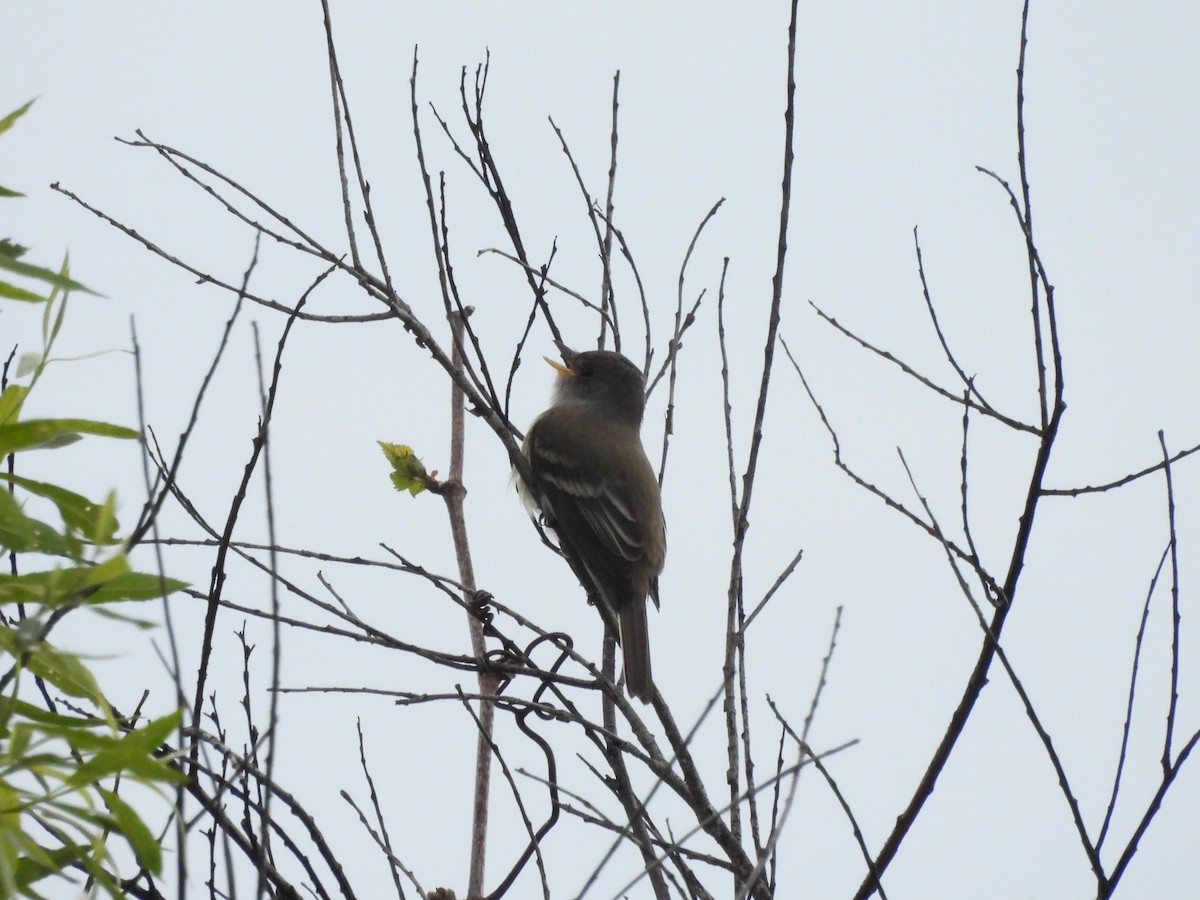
<point x="595" y="487"/>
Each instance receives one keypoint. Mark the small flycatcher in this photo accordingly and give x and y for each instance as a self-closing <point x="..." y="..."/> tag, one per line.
<point x="596" y="489"/>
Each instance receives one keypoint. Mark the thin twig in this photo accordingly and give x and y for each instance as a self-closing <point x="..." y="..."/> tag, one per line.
<point x="968" y="381"/>
<point x="1173" y="546"/>
<point x="682" y="323"/>
<point x="606" y="290"/>
<point x="273" y="566"/>
<point x="607" y="308"/>
<point x="218" y="571"/>
<point x="384" y="839"/>
<point x="1133" y="679"/>
<point x="928" y="382"/>
<point x="807" y="751"/>
<point x="1120" y="482"/>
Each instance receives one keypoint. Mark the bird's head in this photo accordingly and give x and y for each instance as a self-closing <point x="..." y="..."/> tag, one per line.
<point x="603" y="379"/>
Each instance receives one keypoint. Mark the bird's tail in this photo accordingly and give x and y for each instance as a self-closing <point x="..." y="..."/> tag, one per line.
<point x="635" y="643"/>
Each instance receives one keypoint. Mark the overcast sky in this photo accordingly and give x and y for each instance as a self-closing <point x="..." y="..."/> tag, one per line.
<point x="895" y="109"/>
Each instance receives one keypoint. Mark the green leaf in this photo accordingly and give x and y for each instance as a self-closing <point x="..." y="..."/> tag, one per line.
<point x="54" y="313"/>
<point x="94" y="521"/>
<point x="104" y="524"/>
<point x="51" y="433"/>
<point x="22" y="533"/>
<point x="35" y="867"/>
<point x="103" y="583"/>
<point x="7" y="122"/>
<point x="133" y="753"/>
<point x="64" y="670"/>
<point x="137" y="753"/>
<point x="105" y="572"/>
<point x="19" y="743"/>
<point x="49" y="588"/>
<point x="143" y="843"/>
<point x="135" y="586"/>
<point x="10" y="834"/>
<point x="408" y="472"/>
<point x="28" y="363"/>
<point x="143" y="624"/>
<point x="10" y="402"/>
<point x="156" y="731"/>
<point x="52" y="721"/>
<point x="41" y="273"/>
<point x="12" y="249"/>
<point x="12" y="292"/>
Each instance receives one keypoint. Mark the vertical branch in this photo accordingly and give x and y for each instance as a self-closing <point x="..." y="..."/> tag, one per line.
<point x="276" y="636"/>
<point x="339" y="119"/>
<point x="452" y="300"/>
<point x="489" y="174"/>
<point x="225" y="541"/>
<point x="785" y="205"/>
<point x="453" y="492"/>
<point x="726" y="406"/>
<point x="736" y="611"/>
<point x="1027" y="217"/>
<point x="1174" y="548"/>
<point x="1133" y="682"/>
<point x="606" y="308"/>
<point x="173" y="666"/>
<point x="606" y="297"/>
<point x="633" y="806"/>
<point x="342" y="115"/>
<point x="217" y="582"/>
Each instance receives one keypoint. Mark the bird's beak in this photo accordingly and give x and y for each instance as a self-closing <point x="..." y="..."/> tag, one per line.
<point x="563" y="369"/>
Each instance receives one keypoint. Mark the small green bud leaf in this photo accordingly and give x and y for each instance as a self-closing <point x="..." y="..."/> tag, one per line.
<point x="408" y="472"/>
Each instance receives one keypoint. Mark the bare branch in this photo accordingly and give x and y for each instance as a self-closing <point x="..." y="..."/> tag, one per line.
<point x="968" y="382"/>
<point x="910" y="371"/>
<point x="1120" y="482"/>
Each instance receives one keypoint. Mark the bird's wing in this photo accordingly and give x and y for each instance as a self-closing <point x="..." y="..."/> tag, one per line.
<point x="591" y="512"/>
<point x="606" y="515"/>
<point x="596" y="499"/>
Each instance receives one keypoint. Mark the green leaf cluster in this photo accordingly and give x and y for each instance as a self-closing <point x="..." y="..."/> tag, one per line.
<point x="408" y="472"/>
<point x="66" y="760"/>
<point x="53" y="772"/>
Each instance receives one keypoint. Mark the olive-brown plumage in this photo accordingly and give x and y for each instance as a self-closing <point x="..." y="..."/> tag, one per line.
<point x="596" y="489"/>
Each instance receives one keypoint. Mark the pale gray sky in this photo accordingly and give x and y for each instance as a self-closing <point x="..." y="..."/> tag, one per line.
<point x="896" y="106"/>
